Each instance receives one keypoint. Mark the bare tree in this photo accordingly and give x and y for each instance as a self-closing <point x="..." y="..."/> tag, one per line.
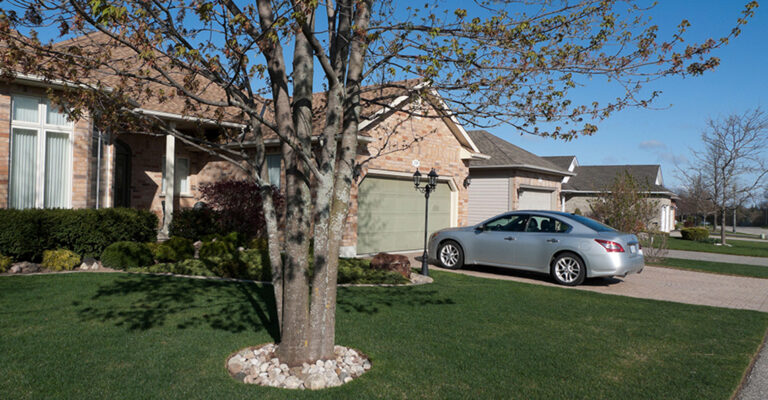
<point x="694" y="195"/>
<point x="502" y="62"/>
<point x="734" y="160"/>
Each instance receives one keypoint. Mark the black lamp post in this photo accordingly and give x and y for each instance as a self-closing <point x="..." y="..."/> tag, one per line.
<point x="428" y="188"/>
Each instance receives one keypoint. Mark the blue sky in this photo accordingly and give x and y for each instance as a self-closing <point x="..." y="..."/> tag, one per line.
<point x="661" y="136"/>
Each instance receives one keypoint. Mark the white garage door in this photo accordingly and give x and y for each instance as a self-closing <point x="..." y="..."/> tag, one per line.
<point x="487" y="197"/>
<point x="535" y="200"/>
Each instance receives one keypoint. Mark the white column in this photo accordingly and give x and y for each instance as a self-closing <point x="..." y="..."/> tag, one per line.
<point x="168" y="180"/>
<point x="663" y="219"/>
<point x="562" y="202"/>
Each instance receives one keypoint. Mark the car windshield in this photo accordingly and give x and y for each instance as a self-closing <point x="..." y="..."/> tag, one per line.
<point x="591" y="223"/>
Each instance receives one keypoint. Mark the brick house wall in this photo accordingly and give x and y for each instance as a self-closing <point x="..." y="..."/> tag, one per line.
<point x="394" y="147"/>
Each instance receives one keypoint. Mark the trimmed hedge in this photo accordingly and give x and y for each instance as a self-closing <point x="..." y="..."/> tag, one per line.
<point x="25" y="234"/>
<point x="60" y="260"/>
<point x="124" y="255"/>
<point x="697" y="234"/>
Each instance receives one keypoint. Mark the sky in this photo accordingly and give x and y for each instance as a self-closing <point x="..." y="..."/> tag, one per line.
<point x="668" y="133"/>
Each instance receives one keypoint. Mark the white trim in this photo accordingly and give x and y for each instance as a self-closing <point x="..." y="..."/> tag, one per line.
<point x="179" y="117"/>
<point x="455" y="120"/>
<point x="526" y="167"/>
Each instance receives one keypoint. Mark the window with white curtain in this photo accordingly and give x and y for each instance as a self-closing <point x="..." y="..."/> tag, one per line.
<point x="41" y="147"/>
<point x="273" y="169"/>
<point x="180" y="175"/>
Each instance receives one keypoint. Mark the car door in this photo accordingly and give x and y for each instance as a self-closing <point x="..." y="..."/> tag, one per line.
<point x="543" y="237"/>
<point x="495" y="241"/>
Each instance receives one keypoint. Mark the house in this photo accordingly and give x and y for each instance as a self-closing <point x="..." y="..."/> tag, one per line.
<point x="47" y="161"/>
<point x="511" y="179"/>
<point x="591" y="180"/>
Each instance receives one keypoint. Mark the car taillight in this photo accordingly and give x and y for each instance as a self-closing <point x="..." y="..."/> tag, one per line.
<point x="611" y="247"/>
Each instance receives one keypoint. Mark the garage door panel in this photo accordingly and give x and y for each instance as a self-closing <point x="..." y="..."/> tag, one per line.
<point x="391" y="215"/>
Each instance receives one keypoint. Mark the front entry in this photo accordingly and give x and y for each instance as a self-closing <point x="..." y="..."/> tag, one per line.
<point x="122" y="185"/>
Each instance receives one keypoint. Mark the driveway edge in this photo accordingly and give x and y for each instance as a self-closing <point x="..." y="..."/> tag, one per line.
<point x="752" y="386"/>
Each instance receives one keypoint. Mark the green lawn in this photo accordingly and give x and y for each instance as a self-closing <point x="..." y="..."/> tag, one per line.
<point x="89" y="335"/>
<point x="738" y="247"/>
<point x="754" y="271"/>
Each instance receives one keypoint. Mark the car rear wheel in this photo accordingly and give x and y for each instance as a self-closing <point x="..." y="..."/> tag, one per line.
<point x="450" y="255"/>
<point x="568" y="269"/>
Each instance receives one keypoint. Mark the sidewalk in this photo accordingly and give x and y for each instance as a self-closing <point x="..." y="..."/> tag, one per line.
<point x="716" y="257"/>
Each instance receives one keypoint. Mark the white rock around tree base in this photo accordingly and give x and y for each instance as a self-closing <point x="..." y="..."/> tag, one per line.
<point x="258" y="365"/>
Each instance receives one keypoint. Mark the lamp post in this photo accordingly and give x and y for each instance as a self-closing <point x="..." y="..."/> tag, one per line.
<point x="428" y="188"/>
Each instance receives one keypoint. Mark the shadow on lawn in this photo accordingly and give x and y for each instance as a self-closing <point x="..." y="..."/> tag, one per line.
<point x="141" y="302"/>
<point x="373" y="299"/>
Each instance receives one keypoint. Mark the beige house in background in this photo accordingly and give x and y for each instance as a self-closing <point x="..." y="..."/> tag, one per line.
<point x="590" y="180"/>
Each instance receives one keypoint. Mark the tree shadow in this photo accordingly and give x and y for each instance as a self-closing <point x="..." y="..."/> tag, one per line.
<point x="374" y="299"/>
<point x="142" y="302"/>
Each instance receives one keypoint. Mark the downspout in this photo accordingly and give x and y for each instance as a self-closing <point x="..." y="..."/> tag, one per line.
<point x="98" y="171"/>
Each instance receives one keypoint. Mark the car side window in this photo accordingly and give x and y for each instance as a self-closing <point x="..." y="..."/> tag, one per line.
<point x="546" y="224"/>
<point x="507" y="223"/>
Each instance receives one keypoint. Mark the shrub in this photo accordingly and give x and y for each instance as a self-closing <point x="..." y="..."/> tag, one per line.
<point x="194" y="224"/>
<point x="173" y="250"/>
<point x="698" y="234"/>
<point x="221" y="257"/>
<point x="259" y="243"/>
<point x="25" y="234"/>
<point x="655" y="247"/>
<point x="123" y="255"/>
<point x="238" y="205"/>
<point x="256" y="265"/>
<point x="5" y="263"/>
<point x="358" y="271"/>
<point x="60" y="260"/>
<point x="186" y="267"/>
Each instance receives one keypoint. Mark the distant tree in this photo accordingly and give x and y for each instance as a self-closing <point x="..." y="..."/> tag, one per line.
<point x="734" y="160"/>
<point x="626" y="205"/>
<point x="694" y="197"/>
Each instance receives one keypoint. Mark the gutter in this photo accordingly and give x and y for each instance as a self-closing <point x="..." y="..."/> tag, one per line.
<point x="526" y="167"/>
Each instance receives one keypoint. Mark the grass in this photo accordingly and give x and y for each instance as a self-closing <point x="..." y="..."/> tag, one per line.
<point x="738" y="247"/>
<point x="89" y="335"/>
<point x="753" y="271"/>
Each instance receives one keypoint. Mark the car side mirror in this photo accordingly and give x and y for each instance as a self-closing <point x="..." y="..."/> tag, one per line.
<point x="480" y="228"/>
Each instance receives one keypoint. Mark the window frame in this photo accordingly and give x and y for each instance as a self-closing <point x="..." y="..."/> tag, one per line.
<point x="42" y="128"/>
<point x="176" y="188"/>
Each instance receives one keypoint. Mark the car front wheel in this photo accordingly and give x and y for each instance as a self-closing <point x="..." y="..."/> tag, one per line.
<point x="568" y="269"/>
<point x="450" y="255"/>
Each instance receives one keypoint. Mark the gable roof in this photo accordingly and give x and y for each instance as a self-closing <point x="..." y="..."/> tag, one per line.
<point x="564" y="162"/>
<point x="506" y="155"/>
<point x="596" y="178"/>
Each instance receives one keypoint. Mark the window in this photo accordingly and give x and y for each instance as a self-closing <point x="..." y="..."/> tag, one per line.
<point x="273" y="169"/>
<point x="180" y="177"/>
<point x="507" y="223"/>
<point x="41" y="147"/>
<point x="591" y="223"/>
<point x="546" y="224"/>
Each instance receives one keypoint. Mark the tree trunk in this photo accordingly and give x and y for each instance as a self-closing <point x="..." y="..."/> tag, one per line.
<point x="722" y="227"/>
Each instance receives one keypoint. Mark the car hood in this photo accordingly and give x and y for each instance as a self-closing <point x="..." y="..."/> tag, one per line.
<point x="458" y="229"/>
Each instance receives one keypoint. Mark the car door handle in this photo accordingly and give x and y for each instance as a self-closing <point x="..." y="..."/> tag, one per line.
<point x="510" y="238"/>
<point x="552" y="240"/>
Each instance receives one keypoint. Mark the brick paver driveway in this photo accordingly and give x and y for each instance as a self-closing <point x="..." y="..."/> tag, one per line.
<point x="654" y="283"/>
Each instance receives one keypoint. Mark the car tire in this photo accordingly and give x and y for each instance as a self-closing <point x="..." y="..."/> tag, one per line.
<point x="450" y="255"/>
<point x="568" y="269"/>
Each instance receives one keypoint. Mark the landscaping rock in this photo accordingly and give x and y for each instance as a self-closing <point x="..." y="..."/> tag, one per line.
<point x="419" y="279"/>
<point x="90" y="264"/>
<point x="392" y="262"/>
<point x="259" y="366"/>
<point x="314" y="382"/>
<point x="25" y="267"/>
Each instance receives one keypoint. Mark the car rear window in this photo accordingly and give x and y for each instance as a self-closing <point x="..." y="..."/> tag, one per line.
<point x="591" y="223"/>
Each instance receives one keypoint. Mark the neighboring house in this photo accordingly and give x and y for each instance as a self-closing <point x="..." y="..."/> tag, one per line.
<point x="511" y="179"/>
<point x="591" y="180"/>
<point x="49" y="162"/>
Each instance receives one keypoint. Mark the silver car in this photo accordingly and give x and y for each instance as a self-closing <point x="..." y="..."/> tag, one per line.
<point x="570" y="247"/>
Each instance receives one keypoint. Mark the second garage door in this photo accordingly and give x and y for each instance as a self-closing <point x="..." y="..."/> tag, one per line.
<point x="535" y="200"/>
<point x="390" y="214"/>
